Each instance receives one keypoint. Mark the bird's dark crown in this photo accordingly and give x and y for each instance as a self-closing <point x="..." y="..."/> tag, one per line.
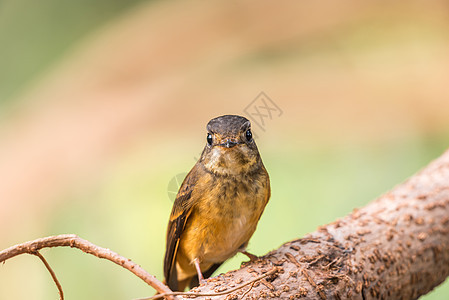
<point x="229" y="125"/>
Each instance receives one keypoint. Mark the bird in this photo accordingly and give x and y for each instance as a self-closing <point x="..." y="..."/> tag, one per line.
<point x="218" y="204"/>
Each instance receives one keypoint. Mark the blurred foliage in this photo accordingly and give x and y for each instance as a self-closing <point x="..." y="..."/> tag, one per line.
<point x="40" y="32"/>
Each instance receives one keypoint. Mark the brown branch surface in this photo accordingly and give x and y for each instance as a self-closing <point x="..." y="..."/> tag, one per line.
<point x="397" y="247"/>
<point x="217" y="293"/>
<point x="71" y="240"/>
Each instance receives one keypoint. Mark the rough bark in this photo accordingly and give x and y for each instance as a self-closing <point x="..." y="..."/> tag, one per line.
<point x="397" y="247"/>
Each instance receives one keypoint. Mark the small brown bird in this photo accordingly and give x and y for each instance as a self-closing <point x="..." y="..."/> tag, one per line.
<point x="218" y="204"/>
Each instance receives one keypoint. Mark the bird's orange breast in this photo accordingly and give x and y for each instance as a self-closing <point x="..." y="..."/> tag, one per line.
<point x="223" y="220"/>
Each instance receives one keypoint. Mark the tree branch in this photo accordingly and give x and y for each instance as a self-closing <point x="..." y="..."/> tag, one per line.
<point x="394" y="248"/>
<point x="52" y="273"/>
<point x="71" y="240"/>
<point x="397" y="247"/>
<point x="216" y="293"/>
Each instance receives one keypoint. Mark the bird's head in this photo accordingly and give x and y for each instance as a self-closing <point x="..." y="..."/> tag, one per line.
<point x="230" y="147"/>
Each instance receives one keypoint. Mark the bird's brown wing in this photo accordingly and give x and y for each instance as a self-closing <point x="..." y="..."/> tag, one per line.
<point x="182" y="207"/>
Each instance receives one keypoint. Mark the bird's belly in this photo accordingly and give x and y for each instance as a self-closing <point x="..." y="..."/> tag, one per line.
<point x="222" y="222"/>
<point x="216" y="233"/>
<point x="224" y="242"/>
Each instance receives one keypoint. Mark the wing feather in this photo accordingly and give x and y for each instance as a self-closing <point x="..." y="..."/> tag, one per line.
<point x="182" y="207"/>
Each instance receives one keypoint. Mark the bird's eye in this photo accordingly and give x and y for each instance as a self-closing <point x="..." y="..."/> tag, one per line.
<point x="209" y="139"/>
<point x="248" y="135"/>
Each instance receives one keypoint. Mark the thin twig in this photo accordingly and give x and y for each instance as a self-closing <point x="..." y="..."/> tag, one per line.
<point x="250" y="288"/>
<point x="336" y="260"/>
<point x="316" y="259"/>
<point x="72" y="240"/>
<point x="304" y="272"/>
<point x="193" y="294"/>
<point x="52" y="273"/>
<point x="267" y="284"/>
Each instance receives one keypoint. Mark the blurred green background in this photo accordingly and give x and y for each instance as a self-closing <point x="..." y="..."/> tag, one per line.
<point x="102" y="103"/>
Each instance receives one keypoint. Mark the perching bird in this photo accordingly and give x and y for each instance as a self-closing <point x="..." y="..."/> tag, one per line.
<point x="218" y="205"/>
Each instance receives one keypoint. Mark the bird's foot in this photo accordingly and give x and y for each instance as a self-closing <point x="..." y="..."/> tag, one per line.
<point x="201" y="279"/>
<point x="252" y="257"/>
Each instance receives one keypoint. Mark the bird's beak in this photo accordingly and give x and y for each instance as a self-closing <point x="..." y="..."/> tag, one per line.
<point x="229" y="143"/>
